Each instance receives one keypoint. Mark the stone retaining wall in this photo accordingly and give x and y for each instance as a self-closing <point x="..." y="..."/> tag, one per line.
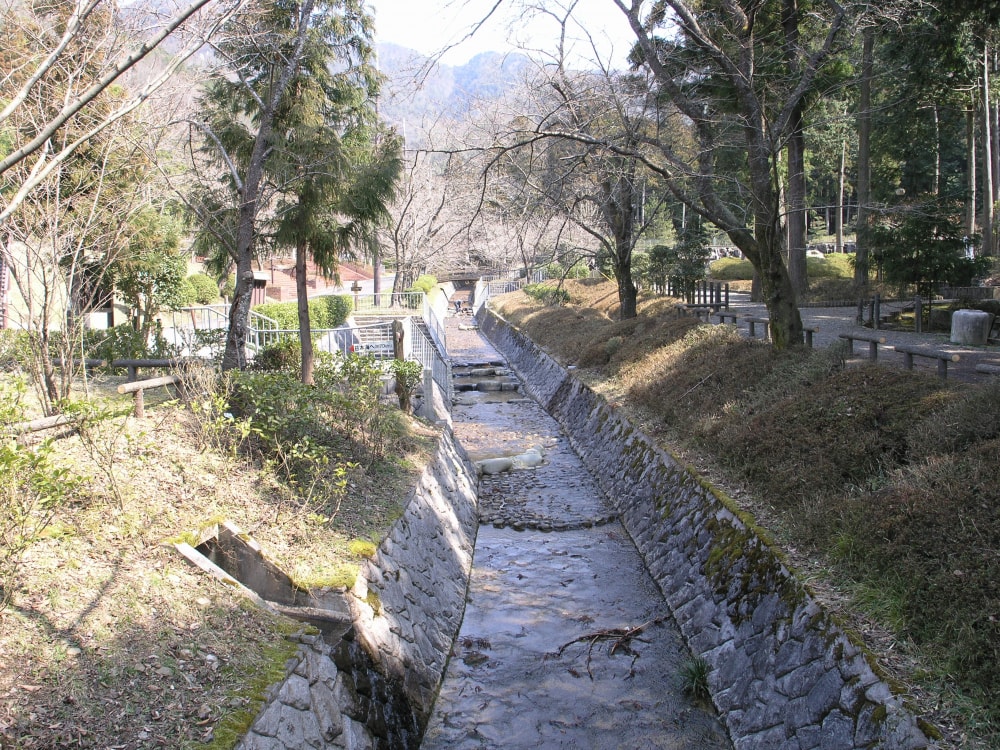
<point x="783" y="674"/>
<point x="376" y="687"/>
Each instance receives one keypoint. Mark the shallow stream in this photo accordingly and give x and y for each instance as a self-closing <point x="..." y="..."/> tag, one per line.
<point x="566" y="640"/>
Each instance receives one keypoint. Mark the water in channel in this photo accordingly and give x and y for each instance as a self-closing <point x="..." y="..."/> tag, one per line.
<point x="566" y="641"/>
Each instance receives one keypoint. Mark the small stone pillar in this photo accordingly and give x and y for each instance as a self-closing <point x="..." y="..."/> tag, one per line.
<point x="970" y="327"/>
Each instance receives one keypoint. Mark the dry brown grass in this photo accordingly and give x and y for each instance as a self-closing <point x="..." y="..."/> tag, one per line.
<point x="877" y="481"/>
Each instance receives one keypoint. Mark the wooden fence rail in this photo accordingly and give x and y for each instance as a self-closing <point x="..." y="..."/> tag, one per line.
<point x="137" y="387"/>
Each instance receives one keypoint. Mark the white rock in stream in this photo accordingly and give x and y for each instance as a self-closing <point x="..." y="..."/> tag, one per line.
<point x="527" y="460"/>
<point x="530" y="458"/>
<point x="494" y="465"/>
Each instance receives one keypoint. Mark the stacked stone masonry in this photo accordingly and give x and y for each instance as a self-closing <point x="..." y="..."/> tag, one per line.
<point x="376" y="687"/>
<point x="783" y="675"/>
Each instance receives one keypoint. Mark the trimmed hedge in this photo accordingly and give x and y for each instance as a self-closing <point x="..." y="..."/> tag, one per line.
<point x="328" y="311"/>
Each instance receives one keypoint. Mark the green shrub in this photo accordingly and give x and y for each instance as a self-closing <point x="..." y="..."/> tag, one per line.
<point x="185" y="295"/>
<point x="125" y="342"/>
<point x="229" y="288"/>
<point x="32" y="489"/>
<point x="324" y="312"/>
<point x="286" y="314"/>
<point x="408" y="375"/>
<point x="546" y="294"/>
<point x="14" y="348"/>
<point x="339" y="308"/>
<point x="730" y="269"/>
<point x="557" y="270"/>
<point x="206" y="291"/>
<point x="424" y="283"/>
<point x="282" y="356"/>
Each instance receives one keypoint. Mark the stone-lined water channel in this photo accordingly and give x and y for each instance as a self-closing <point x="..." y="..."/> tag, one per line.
<point x="566" y="640"/>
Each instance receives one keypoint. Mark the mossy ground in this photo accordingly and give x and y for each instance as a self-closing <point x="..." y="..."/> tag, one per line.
<point x="880" y="484"/>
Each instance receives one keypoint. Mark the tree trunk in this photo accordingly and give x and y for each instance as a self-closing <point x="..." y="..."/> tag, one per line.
<point x="234" y="357"/>
<point x="838" y="219"/>
<point x="797" y="229"/>
<point x="988" y="187"/>
<point x="936" y="185"/>
<point x="862" y="256"/>
<point x="627" y="292"/>
<point x="618" y="206"/>
<point x="777" y="289"/>
<point x="246" y="227"/>
<point x="970" y="182"/>
<point x="302" y="298"/>
<point x="994" y="129"/>
<point x="796" y="197"/>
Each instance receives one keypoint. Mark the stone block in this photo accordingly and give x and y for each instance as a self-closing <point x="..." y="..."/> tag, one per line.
<point x="970" y="327"/>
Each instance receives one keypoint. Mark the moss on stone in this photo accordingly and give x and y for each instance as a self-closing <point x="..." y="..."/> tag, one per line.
<point x="254" y="693"/>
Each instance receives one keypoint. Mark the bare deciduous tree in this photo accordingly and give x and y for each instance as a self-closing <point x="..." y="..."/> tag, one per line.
<point x="72" y="53"/>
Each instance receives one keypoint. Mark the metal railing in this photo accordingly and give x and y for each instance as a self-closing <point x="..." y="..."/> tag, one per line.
<point x="374" y="339"/>
<point x="486" y="288"/>
<point x="435" y="326"/>
<point x="426" y="352"/>
<point x="388" y="303"/>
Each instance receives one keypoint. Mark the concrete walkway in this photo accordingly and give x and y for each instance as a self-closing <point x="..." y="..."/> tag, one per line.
<point x="566" y="640"/>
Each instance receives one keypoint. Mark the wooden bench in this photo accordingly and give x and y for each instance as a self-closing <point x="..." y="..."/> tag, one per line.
<point x="137" y="387"/>
<point x="43" y="423"/>
<point x="943" y="358"/>
<point x="724" y="316"/>
<point x="872" y="339"/>
<point x="753" y="322"/>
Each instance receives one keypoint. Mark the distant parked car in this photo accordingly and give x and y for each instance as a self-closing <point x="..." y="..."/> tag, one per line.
<point x="814" y="254"/>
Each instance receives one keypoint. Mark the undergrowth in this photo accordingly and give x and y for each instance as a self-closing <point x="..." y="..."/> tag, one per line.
<point x="883" y="480"/>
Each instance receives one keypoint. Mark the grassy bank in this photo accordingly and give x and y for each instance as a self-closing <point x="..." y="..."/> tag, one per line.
<point x="109" y="638"/>
<point x="880" y="484"/>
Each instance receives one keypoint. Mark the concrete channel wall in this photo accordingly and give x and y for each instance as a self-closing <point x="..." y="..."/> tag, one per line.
<point x="783" y="675"/>
<point x="375" y="687"/>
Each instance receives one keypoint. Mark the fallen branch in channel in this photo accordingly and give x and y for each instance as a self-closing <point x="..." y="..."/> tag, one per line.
<point x="621" y="639"/>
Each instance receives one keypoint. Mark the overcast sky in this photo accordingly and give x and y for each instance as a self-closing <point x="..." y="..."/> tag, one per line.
<point x="429" y="26"/>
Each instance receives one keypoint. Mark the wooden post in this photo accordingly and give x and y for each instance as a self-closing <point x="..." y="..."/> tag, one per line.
<point x="138" y="387"/>
<point x="398" y="333"/>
